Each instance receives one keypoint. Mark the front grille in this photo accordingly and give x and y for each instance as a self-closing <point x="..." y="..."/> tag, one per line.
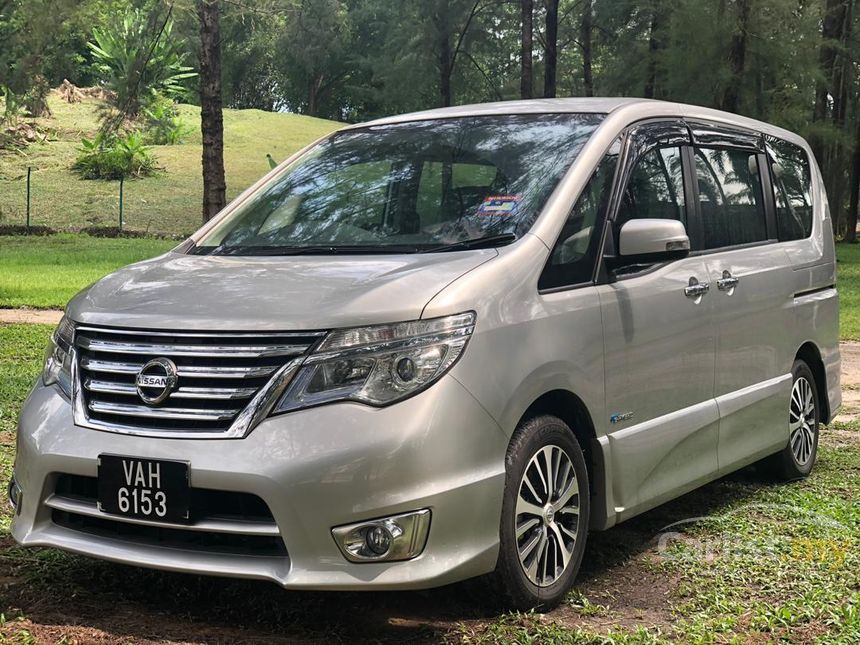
<point x="221" y="521"/>
<point x="219" y="374"/>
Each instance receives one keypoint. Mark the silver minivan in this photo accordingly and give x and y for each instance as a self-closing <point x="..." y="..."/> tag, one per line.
<point x="445" y="345"/>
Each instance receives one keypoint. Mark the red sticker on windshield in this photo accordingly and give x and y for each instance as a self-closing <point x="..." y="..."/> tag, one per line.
<point x="499" y="204"/>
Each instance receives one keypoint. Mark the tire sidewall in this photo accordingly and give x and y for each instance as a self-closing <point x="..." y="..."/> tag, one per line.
<point x="801" y="370"/>
<point x="533" y="435"/>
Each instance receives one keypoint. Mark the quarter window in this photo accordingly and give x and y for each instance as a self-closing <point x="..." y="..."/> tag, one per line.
<point x="573" y="256"/>
<point x="730" y="197"/>
<point x="792" y="186"/>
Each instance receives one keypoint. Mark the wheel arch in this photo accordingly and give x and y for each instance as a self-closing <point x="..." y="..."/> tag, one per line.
<point x="811" y="355"/>
<point x="571" y="409"/>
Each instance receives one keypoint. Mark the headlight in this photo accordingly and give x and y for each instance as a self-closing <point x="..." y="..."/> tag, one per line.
<point x="58" y="357"/>
<point x="379" y="365"/>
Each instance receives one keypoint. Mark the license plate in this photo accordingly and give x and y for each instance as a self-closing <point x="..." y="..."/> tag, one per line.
<point x="147" y="489"/>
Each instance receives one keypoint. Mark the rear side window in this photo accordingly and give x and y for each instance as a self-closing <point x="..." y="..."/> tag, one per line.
<point x="730" y="197"/>
<point x="792" y="187"/>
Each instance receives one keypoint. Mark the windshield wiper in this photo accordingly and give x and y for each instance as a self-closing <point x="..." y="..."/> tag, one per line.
<point x="478" y="243"/>
<point x="314" y="250"/>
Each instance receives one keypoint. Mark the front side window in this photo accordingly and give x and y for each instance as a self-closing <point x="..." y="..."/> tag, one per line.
<point x="792" y="186"/>
<point x="573" y="256"/>
<point x="410" y="187"/>
<point x="655" y="188"/>
<point x="730" y="197"/>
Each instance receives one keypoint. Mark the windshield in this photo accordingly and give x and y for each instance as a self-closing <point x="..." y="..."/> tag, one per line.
<point x="435" y="185"/>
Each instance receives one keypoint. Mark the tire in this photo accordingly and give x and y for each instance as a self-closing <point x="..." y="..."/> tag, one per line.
<point x="535" y="581"/>
<point x="796" y="460"/>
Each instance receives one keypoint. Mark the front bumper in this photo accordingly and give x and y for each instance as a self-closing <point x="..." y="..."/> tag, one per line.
<point x="315" y="469"/>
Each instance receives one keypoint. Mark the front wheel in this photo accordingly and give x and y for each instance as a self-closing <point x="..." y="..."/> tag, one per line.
<point x="545" y="514"/>
<point x="798" y="457"/>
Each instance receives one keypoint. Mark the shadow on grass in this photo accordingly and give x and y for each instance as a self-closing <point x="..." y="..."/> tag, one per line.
<point x="49" y="587"/>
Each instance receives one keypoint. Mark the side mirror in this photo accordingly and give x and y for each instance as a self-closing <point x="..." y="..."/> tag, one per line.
<point x="653" y="240"/>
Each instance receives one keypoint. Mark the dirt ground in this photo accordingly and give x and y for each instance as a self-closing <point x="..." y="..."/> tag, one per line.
<point x="850" y="382"/>
<point x="30" y="316"/>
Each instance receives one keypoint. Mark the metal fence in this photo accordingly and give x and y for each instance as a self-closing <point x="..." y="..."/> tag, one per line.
<point x="32" y="198"/>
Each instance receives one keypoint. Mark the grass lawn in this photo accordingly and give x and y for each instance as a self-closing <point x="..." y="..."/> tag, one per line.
<point x="169" y="202"/>
<point x="848" y="256"/>
<point x="767" y="563"/>
<point x="46" y="271"/>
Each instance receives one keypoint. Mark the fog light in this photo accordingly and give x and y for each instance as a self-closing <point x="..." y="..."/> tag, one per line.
<point x="399" y="537"/>
<point x="379" y="540"/>
<point x="15" y="495"/>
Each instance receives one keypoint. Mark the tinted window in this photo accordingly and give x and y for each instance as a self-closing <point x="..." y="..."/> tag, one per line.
<point x="572" y="258"/>
<point x="409" y="187"/>
<point x="792" y="185"/>
<point x="730" y="197"/>
<point x="656" y="188"/>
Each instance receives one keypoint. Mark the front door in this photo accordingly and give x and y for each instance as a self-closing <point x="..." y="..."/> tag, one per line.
<point x="659" y="343"/>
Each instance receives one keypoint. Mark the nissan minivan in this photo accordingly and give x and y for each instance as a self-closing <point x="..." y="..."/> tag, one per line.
<point x="445" y="345"/>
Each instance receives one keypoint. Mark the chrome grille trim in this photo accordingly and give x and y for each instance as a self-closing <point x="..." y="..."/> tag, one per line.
<point x="194" y="334"/>
<point x="206" y="351"/>
<point x="113" y="367"/>
<point x="210" y="525"/>
<point x="128" y="410"/>
<point x="221" y="393"/>
<point x="228" y="382"/>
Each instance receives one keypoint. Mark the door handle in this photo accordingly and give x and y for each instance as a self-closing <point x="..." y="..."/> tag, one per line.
<point x="727" y="282"/>
<point x="696" y="289"/>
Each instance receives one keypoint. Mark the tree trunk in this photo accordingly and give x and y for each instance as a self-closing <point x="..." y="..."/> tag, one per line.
<point x="526" y="78"/>
<point x="212" y="118"/>
<point x="851" y="218"/>
<point x="550" y="49"/>
<point x="835" y="32"/>
<point x="445" y="70"/>
<point x="737" y="58"/>
<point x="585" y="40"/>
<point x="314" y="88"/>
<point x="654" y="46"/>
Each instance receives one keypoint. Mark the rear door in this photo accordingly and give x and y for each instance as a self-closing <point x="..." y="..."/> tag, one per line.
<point x="752" y="293"/>
<point x="658" y="338"/>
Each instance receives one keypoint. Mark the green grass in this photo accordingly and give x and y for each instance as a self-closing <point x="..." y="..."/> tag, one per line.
<point x="169" y="202"/>
<point x="848" y="269"/>
<point x="47" y="271"/>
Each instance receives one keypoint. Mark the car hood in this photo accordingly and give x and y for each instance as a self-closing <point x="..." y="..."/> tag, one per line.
<point x="177" y="291"/>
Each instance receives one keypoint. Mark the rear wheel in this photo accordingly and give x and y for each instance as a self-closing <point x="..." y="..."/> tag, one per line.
<point x="544" y="515"/>
<point x="798" y="457"/>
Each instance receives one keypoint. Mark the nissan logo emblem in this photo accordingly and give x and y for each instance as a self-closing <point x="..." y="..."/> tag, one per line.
<point x="156" y="380"/>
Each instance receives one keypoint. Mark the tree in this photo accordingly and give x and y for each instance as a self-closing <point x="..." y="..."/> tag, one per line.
<point x="585" y="43"/>
<point x="212" y="118"/>
<point x="526" y="75"/>
<point x="138" y="59"/>
<point x="737" y="58"/>
<point x="550" y="54"/>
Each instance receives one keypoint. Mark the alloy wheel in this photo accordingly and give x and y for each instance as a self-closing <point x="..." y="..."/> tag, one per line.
<point x="801" y="421"/>
<point x="547" y="515"/>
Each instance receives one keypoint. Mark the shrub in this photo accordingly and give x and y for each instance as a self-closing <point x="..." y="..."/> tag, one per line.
<point x="13" y="109"/>
<point x="137" y="60"/>
<point x="163" y="124"/>
<point x="112" y="157"/>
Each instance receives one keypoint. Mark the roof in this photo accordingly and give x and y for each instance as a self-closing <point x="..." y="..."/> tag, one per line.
<point x="634" y="109"/>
